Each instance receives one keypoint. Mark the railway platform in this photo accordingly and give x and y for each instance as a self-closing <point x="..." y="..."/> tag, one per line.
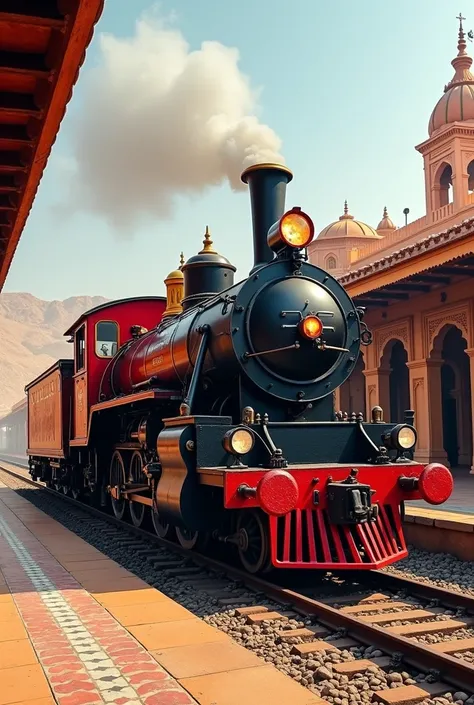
<point x="78" y="629"/>
<point x="448" y="527"/>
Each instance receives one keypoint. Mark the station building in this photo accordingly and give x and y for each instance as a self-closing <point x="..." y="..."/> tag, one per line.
<point x="417" y="284"/>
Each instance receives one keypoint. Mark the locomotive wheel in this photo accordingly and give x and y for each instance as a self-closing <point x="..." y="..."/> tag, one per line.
<point x="254" y="550"/>
<point x="117" y="477"/>
<point x="162" y="529"/>
<point x="191" y="540"/>
<point x="137" y="510"/>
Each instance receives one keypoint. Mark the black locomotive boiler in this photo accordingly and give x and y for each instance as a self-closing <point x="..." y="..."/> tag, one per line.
<point x="221" y="418"/>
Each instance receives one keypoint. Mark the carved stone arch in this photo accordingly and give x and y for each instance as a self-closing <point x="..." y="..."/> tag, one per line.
<point x="459" y="318"/>
<point x="438" y="168"/>
<point x="438" y="338"/>
<point x="469" y="170"/>
<point x="467" y="157"/>
<point x="443" y="183"/>
<point x="400" y="330"/>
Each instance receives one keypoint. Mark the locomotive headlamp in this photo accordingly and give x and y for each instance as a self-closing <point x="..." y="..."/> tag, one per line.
<point x="238" y="441"/>
<point x="294" y="229"/>
<point x="401" y="437"/>
<point x="310" y="327"/>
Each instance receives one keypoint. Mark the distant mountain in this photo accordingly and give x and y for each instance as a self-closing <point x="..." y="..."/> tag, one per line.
<point x="32" y="338"/>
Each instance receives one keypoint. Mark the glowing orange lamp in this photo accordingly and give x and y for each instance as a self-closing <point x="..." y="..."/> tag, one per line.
<point x="310" y="327"/>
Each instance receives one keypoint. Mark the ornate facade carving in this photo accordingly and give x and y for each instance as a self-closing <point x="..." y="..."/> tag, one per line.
<point x="418" y="382"/>
<point x="467" y="157"/>
<point x="434" y="167"/>
<point x="459" y="317"/>
<point x="399" y="330"/>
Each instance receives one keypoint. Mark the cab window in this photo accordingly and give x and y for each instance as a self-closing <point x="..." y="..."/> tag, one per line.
<point x="106" y="338"/>
<point x="80" y="348"/>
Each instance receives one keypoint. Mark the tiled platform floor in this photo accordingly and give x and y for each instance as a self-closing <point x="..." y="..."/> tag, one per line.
<point x="78" y="629"/>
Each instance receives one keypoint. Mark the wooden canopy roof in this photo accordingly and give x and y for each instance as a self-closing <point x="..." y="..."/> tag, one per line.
<point x="435" y="261"/>
<point x="42" y="46"/>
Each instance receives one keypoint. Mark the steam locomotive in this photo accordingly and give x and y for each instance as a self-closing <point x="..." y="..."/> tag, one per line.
<point x="213" y="414"/>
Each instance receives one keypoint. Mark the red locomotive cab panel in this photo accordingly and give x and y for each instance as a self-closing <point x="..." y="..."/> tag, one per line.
<point x="98" y="336"/>
<point x="80" y="384"/>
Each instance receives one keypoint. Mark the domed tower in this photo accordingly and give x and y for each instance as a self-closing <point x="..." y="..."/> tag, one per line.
<point x="206" y="274"/>
<point x="332" y="249"/>
<point x="386" y="225"/>
<point x="174" y="283"/>
<point x="449" y="151"/>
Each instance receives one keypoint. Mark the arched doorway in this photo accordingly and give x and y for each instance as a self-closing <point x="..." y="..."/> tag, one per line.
<point x="470" y="174"/>
<point x="394" y="362"/>
<point x="449" y="348"/>
<point x="444" y="185"/>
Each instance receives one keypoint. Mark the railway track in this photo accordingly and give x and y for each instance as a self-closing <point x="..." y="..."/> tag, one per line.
<point x="350" y="630"/>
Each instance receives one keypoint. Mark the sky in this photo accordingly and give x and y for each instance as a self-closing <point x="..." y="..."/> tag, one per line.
<point x="342" y="90"/>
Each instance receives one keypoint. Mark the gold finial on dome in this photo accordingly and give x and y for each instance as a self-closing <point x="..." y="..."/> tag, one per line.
<point x="174" y="283"/>
<point x="462" y="62"/>
<point x="457" y="102"/>
<point x="207" y="242"/>
<point x="346" y="215"/>
<point x="461" y="36"/>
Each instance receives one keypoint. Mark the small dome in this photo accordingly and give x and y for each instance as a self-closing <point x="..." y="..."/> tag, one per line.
<point x="347" y="226"/>
<point x="206" y="274"/>
<point x="177" y="273"/>
<point x="386" y="223"/>
<point x="457" y="103"/>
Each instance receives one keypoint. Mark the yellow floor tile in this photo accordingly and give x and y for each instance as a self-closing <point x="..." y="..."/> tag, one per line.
<point x="12" y="630"/>
<point x="23" y="683"/>
<point x="202" y="659"/>
<point x="8" y="611"/>
<point x="168" y="634"/>
<point x="165" y="611"/>
<point x="146" y="595"/>
<point x="16" y="653"/>
<point x="263" y="685"/>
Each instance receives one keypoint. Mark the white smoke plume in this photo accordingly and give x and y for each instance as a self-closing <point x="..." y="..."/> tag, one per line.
<point x="160" y="120"/>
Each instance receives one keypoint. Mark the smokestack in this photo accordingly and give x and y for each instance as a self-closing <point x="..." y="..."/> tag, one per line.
<point x="267" y="184"/>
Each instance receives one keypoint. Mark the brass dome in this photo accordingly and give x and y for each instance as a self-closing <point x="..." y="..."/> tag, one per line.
<point x="347" y="226"/>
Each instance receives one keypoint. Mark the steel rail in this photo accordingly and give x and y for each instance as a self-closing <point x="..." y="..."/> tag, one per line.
<point x="454" y="671"/>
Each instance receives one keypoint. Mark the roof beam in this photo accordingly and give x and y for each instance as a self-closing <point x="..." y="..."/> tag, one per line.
<point x="432" y="279"/>
<point x="409" y="286"/>
<point x="370" y="302"/>
<point x="11" y="183"/>
<point x="6" y="202"/>
<point x="31" y="20"/>
<point x="16" y="62"/>
<point x="387" y="295"/>
<point x="456" y="271"/>
<point x="18" y="104"/>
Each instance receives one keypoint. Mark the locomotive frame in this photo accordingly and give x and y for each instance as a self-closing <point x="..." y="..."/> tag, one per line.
<point x="217" y="418"/>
